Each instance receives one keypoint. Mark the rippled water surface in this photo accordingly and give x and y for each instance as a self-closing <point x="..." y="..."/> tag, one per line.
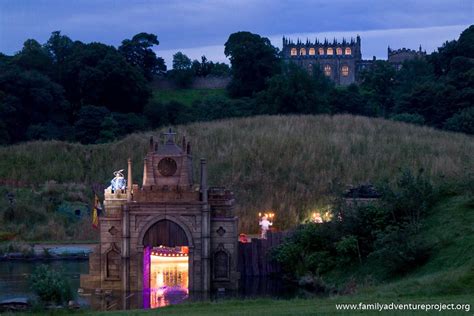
<point x="14" y="284"/>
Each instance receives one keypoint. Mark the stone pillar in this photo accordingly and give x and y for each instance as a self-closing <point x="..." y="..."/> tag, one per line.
<point x="129" y="181"/>
<point x="125" y="248"/>
<point x="145" y="171"/>
<point x="206" y="231"/>
<point x="126" y="234"/>
<point x="151" y="145"/>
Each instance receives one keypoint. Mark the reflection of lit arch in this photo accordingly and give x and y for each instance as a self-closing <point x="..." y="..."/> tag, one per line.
<point x="330" y="51"/>
<point x="348" y="51"/>
<point x="293" y="52"/>
<point x="312" y="51"/>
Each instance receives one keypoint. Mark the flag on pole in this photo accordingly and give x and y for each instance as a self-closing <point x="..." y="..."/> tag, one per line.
<point x="96" y="212"/>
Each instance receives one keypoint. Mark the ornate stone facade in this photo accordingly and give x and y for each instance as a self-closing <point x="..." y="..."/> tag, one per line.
<point x="341" y="61"/>
<point x="167" y="210"/>
<point x="337" y="60"/>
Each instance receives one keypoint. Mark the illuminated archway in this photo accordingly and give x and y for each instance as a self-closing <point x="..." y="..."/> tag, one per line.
<point x="166" y="263"/>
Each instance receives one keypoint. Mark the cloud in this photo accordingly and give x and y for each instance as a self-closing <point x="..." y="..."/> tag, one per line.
<point x="207" y="23"/>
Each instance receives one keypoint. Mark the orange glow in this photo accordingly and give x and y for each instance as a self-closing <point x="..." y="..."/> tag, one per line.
<point x="316" y="217"/>
<point x="268" y="214"/>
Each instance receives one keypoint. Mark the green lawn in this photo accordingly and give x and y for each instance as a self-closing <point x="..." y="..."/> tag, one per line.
<point x="186" y="96"/>
<point x="261" y="307"/>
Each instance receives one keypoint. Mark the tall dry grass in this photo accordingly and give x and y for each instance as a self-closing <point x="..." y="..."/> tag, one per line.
<point x="286" y="163"/>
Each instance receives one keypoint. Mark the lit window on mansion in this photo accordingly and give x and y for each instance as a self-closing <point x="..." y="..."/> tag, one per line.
<point x="293" y="52"/>
<point x="345" y="71"/>
<point x="321" y="51"/>
<point x="327" y="70"/>
<point x="338" y="51"/>
<point x="312" y="51"/>
<point x="348" y="51"/>
<point x="330" y="51"/>
<point x="303" y="51"/>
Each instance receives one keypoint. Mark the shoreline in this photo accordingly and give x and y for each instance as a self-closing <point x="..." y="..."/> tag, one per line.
<point x="53" y="251"/>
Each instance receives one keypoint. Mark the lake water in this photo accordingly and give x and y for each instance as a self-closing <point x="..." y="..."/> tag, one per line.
<point x="14" y="284"/>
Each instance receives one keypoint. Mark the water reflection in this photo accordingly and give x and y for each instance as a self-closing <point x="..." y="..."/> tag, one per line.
<point x="14" y="275"/>
<point x="14" y="283"/>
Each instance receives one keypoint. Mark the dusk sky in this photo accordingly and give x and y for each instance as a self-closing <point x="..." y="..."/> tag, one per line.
<point x="202" y="27"/>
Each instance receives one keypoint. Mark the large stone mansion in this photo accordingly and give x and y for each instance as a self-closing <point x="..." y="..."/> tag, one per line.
<point x="340" y="61"/>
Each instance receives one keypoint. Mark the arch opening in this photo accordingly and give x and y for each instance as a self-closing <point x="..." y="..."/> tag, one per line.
<point x="166" y="264"/>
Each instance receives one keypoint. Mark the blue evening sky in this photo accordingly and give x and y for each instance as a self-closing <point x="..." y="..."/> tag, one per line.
<point x="202" y="27"/>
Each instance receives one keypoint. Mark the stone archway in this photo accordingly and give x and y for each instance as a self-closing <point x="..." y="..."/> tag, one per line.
<point x="160" y="218"/>
<point x="165" y="232"/>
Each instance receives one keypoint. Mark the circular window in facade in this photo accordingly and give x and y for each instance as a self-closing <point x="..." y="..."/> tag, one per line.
<point x="167" y="167"/>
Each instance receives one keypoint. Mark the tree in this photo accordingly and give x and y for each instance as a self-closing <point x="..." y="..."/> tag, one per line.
<point x="109" y="130"/>
<point x="33" y="56"/>
<point x="89" y="124"/>
<point x="253" y="60"/>
<point x="220" y="69"/>
<point x="182" y="74"/>
<point x="409" y="118"/>
<point x="181" y="61"/>
<point x="156" y="113"/>
<point x="377" y="84"/>
<point x="464" y="47"/>
<point x="206" y="68"/>
<point x="463" y="121"/>
<point x="431" y="100"/>
<point x="29" y="98"/>
<point x="50" y="285"/>
<point x="99" y="74"/>
<point x="59" y="47"/>
<point x="348" y="100"/>
<point x="139" y="53"/>
<point x="292" y="91"/>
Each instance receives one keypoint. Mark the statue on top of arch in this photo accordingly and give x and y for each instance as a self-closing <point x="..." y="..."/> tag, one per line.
<point x="118" y="182"/>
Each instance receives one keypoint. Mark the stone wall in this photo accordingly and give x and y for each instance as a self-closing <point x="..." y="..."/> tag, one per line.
<point x="209" y="82"/>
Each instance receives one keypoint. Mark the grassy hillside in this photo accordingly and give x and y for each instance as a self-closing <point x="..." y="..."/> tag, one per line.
<point x="287" y="163"/>
<point x="186" y="96"/>
<point x="450" y="269"/>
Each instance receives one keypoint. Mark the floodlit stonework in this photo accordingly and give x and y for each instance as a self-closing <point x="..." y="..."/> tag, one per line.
<point x="170" y="210"/>
<point x="340" y="61"/>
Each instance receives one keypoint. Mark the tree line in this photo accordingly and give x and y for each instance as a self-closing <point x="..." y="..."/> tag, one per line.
<point x="91" y="93"/>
